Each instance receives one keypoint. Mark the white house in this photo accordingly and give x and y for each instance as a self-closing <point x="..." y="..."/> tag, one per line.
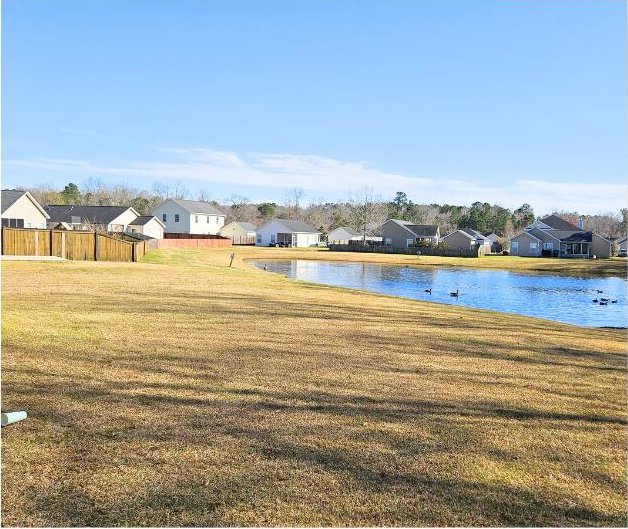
<point x="342" y="235"/>
<point x="287" y="233"/>
<point x="189" y="216"/>
<point x="108" y="218"/>
<point x="148" y="225"/>
<point x="239" y="232"/>
<point x="21" y="210"/>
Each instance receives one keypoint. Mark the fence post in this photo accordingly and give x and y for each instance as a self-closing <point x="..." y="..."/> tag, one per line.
<point x="134" y="252"/>
<point x="63" y="244"/>
<point x="2" y="242"/>
<point x="95" y="245"/>
<point x="51" y="243"/>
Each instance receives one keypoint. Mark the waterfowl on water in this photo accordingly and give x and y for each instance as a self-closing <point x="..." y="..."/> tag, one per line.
<point x="599" y="291"/>
<point x="595" y="300"/>
<point x="614" y="301"/>
<point x="603" y="302"/>
<point x="454" y="294"/>
<point x="428" y="290"/>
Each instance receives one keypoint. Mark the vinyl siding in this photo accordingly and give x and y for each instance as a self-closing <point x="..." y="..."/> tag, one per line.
<point x="24" y="209"/>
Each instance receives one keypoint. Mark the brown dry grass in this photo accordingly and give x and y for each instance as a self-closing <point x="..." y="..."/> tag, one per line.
<point x="182" y="392"/>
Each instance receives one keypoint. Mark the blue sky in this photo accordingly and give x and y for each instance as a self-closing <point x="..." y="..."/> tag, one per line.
<point x="450" y="101"/>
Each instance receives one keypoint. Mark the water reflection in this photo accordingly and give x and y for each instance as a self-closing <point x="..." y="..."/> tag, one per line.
<point x="566" y="299"/>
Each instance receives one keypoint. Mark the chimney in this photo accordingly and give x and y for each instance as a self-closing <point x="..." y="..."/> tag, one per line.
<point x="581" y="223"/>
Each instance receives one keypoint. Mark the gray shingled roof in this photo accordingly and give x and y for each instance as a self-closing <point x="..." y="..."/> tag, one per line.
<point x="296" y="226"/>
<point x="95" y="214"/>
<point x="572" y="235"/>
<point x="10" y="197"/>
<point x="423" y="230"/>
<point x="556" y="223"/>
<point x="142" y="220"/>
<point x="474" y="233"/>
<point x="194" y="206"/>
<point x="347" y="229"/>
<point x="544" y="235"/>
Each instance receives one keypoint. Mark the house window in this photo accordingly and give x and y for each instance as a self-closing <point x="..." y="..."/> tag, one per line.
<point x="388" y="241"/>
<point x="514" y="246"/>
<point x="534" y="247"/>
<point x="272" y="238"/>
<point x="549" y="245"/>
<point x="217" y="220"/>
<point x="13" y="223"/>
<point x="196" y="219"/>
<point x="409" y="242"/>
<point x="208" y="219"/>
<point x="176" y="217"/>
<point x="163" y="217"/>
<point x="259" y="239"/>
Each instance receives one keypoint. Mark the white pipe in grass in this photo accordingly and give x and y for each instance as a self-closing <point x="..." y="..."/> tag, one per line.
<point x="13" y="416"/>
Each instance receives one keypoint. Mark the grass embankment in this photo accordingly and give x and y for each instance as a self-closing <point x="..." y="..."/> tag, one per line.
<point x="615" y="266"/>
<point x="183" y="392"/>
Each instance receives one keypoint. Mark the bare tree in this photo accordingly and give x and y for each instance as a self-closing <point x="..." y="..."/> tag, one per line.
<point x="368" y="212"/>
<point x="236" y="207"/>
<point x="180" y="191"/>
<point x="291" y="201"/>
<point x="203" y="196"/>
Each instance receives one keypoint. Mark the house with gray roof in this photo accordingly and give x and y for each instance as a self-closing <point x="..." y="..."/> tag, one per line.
<point x="21" y="210"/>
<point x="284" y="232"/>
<point x="190" y="216"/>
<point x="467" y="239"/>
<point x="148" y="226"/>
<point x="106" y="218"/>
<point x="239" y="232"/>
<point x="552" y="236"/>
<point x="403" y="234"/>
<point x="342" y="235"/>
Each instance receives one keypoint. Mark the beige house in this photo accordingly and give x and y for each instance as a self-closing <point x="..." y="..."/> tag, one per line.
<point x="239" y="232"/>
<point x="21" y="210"/>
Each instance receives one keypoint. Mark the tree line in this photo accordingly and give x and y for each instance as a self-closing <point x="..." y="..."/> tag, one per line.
<point x="363" y="210"/>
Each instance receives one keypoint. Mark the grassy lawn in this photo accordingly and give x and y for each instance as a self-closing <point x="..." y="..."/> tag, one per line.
<point x="182" y="392"/>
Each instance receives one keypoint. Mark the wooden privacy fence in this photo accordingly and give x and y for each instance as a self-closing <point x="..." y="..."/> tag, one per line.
<point x="193" y="243"/>
<point x="447" y="252"/>
<point x="74" y="245"/>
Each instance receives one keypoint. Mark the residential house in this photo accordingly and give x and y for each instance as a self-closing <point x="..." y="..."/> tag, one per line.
<point x="106" y="218"/>
<point x="496" y="246"/>
<point x="403" y="234"/>
<point x="239" y="232"/>
<point x="342" y="235"/>
<point x="21" y="210"/>
<point x="621" y="246"/>
<point x="467" y="239"/>
<point x="147" y="225"/>
<point x="284" y="232"/>
<point x="552" y="236"/>
<point x="190" y="216"/>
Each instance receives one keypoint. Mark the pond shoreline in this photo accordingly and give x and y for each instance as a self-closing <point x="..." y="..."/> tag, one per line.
<point x="549" y="297"/>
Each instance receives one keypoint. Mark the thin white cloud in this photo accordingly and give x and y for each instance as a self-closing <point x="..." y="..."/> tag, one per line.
<point x="336" y="178"/>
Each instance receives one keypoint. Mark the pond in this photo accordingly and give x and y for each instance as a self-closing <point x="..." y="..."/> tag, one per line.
<point x="562" y="298"/>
